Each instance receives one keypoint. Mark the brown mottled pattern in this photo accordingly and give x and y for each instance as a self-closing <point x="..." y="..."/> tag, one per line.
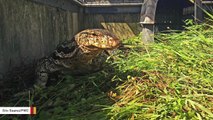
<point x="97" y="38"/>
<point x="83" y="54"/>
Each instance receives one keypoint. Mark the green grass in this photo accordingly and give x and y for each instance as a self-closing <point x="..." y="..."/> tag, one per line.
<point x="169" y="79"/>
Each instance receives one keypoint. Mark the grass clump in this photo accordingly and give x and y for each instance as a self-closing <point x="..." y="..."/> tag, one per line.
<point x="169" y="79"/>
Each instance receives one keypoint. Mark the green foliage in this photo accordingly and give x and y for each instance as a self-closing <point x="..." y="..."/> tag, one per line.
<point x="173" y="78"/>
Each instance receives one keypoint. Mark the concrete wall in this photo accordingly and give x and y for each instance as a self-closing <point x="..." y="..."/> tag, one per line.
<point x="29" y="31"/>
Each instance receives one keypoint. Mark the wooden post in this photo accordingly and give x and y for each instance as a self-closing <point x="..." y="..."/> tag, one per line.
<point x="147" y="20"/>
<point x="198" y="13"/>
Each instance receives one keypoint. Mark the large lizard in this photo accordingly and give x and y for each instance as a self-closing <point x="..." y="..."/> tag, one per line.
<point x="84" y="53"/>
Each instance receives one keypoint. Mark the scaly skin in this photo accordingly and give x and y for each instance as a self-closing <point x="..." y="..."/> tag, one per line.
<point x="85" y="53"/>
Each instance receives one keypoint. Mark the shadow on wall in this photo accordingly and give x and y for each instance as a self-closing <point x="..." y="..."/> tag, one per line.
<point x="121" y="30"/>
<point x="122" y="25"/>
